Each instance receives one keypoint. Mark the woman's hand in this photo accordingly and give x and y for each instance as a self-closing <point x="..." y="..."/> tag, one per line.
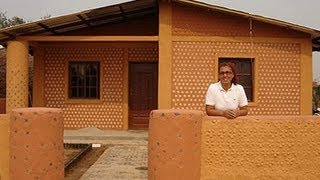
<point x="231" y="114"/>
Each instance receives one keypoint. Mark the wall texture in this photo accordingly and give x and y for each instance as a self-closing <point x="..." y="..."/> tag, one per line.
<point x="36" y="144"/>
<point x="246" y="148"/>
<point x="109" y="112"/>
<point x="174" y="144"/>
<point x="260" y="147"/>
<point x="279" y="88"/>
<point x="200" y="37"/>
<point x="17" y="75"/>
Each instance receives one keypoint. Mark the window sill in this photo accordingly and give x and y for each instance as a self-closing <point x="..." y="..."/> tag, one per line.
<point x="83" y="101"/>
<point x="252" y="104"/>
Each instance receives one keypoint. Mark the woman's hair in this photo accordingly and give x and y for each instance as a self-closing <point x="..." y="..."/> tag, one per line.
<point x="233" y="69"/>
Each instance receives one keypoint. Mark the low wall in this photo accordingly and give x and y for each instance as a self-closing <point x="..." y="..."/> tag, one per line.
<point x="4" y="146"/>
<point x="31" y="144"/>
<point x="250" y="147"/>
<point x="36" y="144"/>
<point x="174" y="144"/>
<point x="256" y="147"/>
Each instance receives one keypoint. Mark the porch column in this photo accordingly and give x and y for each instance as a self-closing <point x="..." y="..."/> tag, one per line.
<point x="17" y="75"/>
<point x="306" y="78"/>
<point x="165" y="55"/>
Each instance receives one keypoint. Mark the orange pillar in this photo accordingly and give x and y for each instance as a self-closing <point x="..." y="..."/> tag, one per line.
<point x="17" y="75"/>
<point x="165" y="55"/>
<point x="36" y="144"/>
<point x="174" y="144"/>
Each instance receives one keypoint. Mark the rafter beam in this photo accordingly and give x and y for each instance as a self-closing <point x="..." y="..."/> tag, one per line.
<point x="315" y="49"/>
<point x="47" y="28"/>
<point x="316" y="41"/>
<point x="84" y="20"/>
<point x="8" y="34"/>
<point x="122" y="12"/>
<point x="56" y="28"/>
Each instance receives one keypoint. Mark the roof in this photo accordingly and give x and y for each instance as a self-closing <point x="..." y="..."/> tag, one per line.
<point x="89" y="18"/>
<point x="124" y="11"/>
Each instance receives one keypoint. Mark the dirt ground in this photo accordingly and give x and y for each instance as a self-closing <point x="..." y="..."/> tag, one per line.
<point x="75" y="172"/>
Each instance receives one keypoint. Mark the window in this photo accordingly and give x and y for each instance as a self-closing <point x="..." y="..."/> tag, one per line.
<point x="84" y="80"/>
<point x="245" y="69"/>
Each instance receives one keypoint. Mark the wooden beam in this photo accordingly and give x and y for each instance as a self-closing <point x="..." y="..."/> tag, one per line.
<point x="84" y="20"/>
<point x="86" y="38"/>
<point x="48" y="29"/>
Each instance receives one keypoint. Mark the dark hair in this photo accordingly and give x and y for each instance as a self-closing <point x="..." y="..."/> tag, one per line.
<point x="233" y="69"/>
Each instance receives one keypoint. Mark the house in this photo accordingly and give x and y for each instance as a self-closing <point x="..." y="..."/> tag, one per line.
<point x="108" y="67"/>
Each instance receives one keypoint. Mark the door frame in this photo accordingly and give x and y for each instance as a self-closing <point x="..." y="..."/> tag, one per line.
<point x="128" y="87"/>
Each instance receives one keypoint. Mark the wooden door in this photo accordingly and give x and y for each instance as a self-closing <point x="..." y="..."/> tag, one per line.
<point x="143" y="93"/>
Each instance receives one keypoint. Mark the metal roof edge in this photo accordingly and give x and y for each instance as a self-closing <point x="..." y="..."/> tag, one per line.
<point x="59" y="17"/>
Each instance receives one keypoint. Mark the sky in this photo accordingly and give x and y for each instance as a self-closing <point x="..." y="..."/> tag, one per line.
<point x="305" y="13"/>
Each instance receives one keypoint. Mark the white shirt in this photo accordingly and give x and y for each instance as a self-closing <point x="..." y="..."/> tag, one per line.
<point x="221" y="99"/>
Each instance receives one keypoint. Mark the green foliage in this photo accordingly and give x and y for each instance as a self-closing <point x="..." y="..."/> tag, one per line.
<point x="6" y="22"/>
<point x="316" y="95"/>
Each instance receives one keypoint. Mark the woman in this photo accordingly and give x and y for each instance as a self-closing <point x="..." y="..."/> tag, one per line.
<point x="226" y="97"/>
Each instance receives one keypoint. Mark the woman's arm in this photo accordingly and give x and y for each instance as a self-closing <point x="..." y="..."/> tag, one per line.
<point x="230" y="114"/>
<point x="243" y="111"/>
<point x="211" y="111"/>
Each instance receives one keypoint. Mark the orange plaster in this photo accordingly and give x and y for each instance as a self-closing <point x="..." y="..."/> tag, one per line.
<point x="245" y="148"/>
<point x="17" y="75"/>
<point x="260" y="147"/>
<point x="174" y="144"/>
<point x="4" y="146"/>
<point x="36" y="144"/>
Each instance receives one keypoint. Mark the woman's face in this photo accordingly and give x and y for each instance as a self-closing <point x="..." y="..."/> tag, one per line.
<point x="225" y="75"/>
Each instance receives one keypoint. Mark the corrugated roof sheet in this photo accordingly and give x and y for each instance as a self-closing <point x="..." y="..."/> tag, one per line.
<point x="93" y="17"/>
<point x="132" y="9"/>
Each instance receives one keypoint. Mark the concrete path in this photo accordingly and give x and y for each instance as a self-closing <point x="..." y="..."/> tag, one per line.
<point x="126" y="159"/>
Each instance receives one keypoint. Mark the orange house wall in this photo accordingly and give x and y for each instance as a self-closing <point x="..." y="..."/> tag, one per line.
<point x="194" y="66"/>
<point x="109" y="112"/>
<point x="193" y="21"/>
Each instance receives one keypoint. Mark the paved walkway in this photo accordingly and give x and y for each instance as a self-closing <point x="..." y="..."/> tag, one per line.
<point x="126" y="159"/>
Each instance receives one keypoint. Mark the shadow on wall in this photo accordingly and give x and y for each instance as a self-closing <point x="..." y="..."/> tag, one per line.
<point x="2" y="105"/>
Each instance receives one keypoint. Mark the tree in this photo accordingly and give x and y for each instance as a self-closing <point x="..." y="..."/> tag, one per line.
<point x="316" y="95"/>
<point x="6" y="22"/>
